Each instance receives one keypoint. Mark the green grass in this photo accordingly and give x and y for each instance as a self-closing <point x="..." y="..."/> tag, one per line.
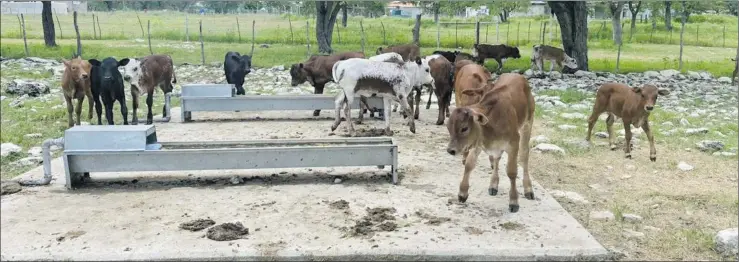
<point x="707" y="30"/>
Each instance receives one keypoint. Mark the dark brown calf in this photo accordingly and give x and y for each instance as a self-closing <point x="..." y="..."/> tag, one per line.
<point x="317" y="71"/>
<point x="76" y="85"/>
<point x="409" y="52"/>
<point x="497" y="52"/>
<point x="632" y="105"/>
<point x="441" y="70"/>
<point x="500" y="122"/>
<point x="145" y="75"/>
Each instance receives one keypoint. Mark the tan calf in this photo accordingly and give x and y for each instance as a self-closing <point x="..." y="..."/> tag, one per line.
<point x="500" y="122"/>
<point x="632" y="105"/>
<point x="76" y="85"/>
<point x="468" y="75"/>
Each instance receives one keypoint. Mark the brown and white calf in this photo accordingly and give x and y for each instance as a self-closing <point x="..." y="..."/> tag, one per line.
<point x="145" y="75"/>
<point x="409" y="52"/>
<point x="498" y="52"/>
<point x="632" y="105"/>
<point x="500" y="122"/>
<point x="76" y="85"/>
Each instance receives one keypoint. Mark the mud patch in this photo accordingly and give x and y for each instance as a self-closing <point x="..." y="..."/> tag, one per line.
<point x="340" y="204"/>
<point x="431" y="219"/>
<point x="511" y="226"/>
<point x="227" y="232"/>
<point x="474" y="231"/>
<point x="377" y="219"/>
<point x="71" y="235"/>
<point x="197" y="224"/>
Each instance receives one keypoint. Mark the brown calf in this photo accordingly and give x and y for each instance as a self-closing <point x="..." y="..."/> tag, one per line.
<point x="441" y="71"/>
<point x="468" y="76"/>
<point x="317" y="70"/>
<point x="145" y="74"/>
<point x="76" y="85"/>
<point x="632" y="105"/>
<point x="500" y="122"/>
<point x="409" y="52"/>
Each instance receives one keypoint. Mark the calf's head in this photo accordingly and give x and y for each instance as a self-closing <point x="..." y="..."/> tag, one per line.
<point x="649" y="94"/>
<point x="423" y="73"/>
<point x="78" y="69"/>
<point x="513" y="52"/>
<point x="109" y="67"/>
<point x="245" y="63"/>
<point x="464" y="128"/>
<point x="132" y="71"/>
<point x="570" y="62"/>
<point x="298" y="74"/>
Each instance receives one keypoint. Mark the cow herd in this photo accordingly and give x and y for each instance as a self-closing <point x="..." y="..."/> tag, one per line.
<point x="491" y="115"/>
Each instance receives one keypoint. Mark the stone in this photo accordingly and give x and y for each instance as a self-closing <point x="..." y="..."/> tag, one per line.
<point x="706" y="75"/>
<point x="726" y="242"/>
<point x="235" y="180"/>
<point x="694" y="75"/>
<point x="602" y="215"/>
<point x="549" y="148"/>
<point x="724" y="80"/>
<point x="572" y="115"/>
<point x="9" y="187"/>
<point x="632" y="218"/>
<point x="601" y="134"/>
<point x="651" y="74"/>
<point x="555" y="75"/>
<point x="729" y="154"/>
<point x="581" y="73"/>
<point x="684" y="166"/>
<point x="35" y="151"/>
<point x="540" y="139"/>
<point x="34" y="135"/>
<point x="27" y="87"/>
<point x="696" y="131"/>
<point x="669" y="72"/>
<point x="566" y="127"/>
<point x="710" y="146"/>
<point x="631" y="234"/>
<point x="30" y="161"/>
<point x="684" y="122"/>
<point x="528" y="73"/>
<point x="337" y="180"/>
<point x="7" y="149"/>
<point x="578" y="143"/>
<point x="569" y="195"/>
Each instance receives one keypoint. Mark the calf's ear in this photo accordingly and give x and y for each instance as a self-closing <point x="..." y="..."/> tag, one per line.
<point x="123" y="62"/>
<point x="300" y="65"/>
<point x="636" y="89"/>
<point x="663" y="92"/>
<point x="418" y="60"/>
<point x="65" y="62"/>
<point x="479" y="118"/>
<point x="94" y="62"/>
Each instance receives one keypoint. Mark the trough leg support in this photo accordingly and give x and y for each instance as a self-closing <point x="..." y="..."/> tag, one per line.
<point x="74" y="179"/>
<point x="394" y="168"/>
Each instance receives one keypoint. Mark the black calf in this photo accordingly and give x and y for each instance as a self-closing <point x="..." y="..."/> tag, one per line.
<point x="236" y="68"/>
<point x="107" y="83"/>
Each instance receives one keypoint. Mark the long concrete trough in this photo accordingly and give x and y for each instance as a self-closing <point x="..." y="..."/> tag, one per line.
<point x="135" y="148"/>
<point x="221" y="97"/>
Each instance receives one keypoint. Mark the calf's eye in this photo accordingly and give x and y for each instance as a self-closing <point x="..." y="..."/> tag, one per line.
<point x="464" y="129"/>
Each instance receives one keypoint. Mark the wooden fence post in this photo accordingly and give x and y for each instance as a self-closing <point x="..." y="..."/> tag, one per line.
<point x="290" y="23"/>
<point x="100" y="31"/>
<point x="187" y="31"/>
<point x="140" y="24"/>
<point x="94" y="30"/>
<point x="456" y="29"/>
<point x="307" y="37"/>
<point x="477" y="33"/>
<point x="59" y="25"/>
<point x="202" y="46"/>
<point x="724" y="43"/>
<point x="253" y="36"/>
<point x="544" y="31"/>
<point x="148" y="33"/>
<point x="507" y="32"/>
<point x="487" y="27"/>
<point x="22" y="23"/>
<point x="518" y="30"/>
<point x="438" y="35"/>
<point x="497" y="32"/>
<point x="682" y="32"/>
<point x="618" y="57"/>
<point x="361" y="27"/>
<point x="238" y="28"/>
<point x="77" y="31"/>
<point x="384" y="35"/>
<point x="528" y="33"/>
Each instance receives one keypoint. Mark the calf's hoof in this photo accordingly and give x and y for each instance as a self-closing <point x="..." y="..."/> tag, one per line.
<point x="614" y="147"/>
<point x="388" y="132"/>
<point x="462" y="198"/>
<point x="513" y="208"/>
<point x="438" y="123"/>
<point x="149" y="122"/>
<point x="628" y="156"/>
<point x="333" y="127"/>
<point x="413" y="129"/>
<point x="529" y="195"/>
<point x="492" y="191"/>
<point x="653" y="158"/>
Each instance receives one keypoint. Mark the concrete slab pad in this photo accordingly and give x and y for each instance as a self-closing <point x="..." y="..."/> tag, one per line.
<point x="291" y="213"/>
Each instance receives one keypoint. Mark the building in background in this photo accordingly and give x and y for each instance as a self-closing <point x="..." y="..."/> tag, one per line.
<point x="398" y="8"/>
<point x="59" y="7"/>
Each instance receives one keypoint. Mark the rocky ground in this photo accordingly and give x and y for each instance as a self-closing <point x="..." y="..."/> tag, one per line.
<point x="695" y="129"/>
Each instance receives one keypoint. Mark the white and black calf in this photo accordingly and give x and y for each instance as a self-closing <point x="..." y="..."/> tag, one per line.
<point x="145" y="74"/>
<point x="390" y="80"/>
<point x="236" y="67"/>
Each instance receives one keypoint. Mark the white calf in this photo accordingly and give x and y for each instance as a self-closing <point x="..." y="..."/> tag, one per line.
<point x="390" y="80"/>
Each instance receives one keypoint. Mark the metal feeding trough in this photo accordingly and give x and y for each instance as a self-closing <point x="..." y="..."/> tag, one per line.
<point x="221" y="97"/>
<point x="120" y="148"/>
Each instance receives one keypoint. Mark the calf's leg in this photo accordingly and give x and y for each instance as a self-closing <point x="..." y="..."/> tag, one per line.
<point x="512" y="171"/>
<point x="409" y="112"/>
<point x="500" y="65"/>
<point x="428" y="104"/>
<point x="609" y="127"/>
<point x="440" y="101"/>
<point x="108" y="102"/>
<point x="348" y="114"/>
<point x="318" y="89"/>
<point x="464" y="186"/>
<point x="627" y="128"/>
<point x="70" y="110"/>
<point x="135" y="104"/>
<point x="98" y="106"/>
<point x="418" y="103"/>
<point x="386" y="106"/>
<point x="149" y="105"/>
<point x="652" y="150"/>
<point x="124" y="108"/>
<point x="78" y="110"/>
<point x="338" y="103"/>
<point x="90" y="104"/>
<point x="494" y="179"/>
<point x="523" y="149"/>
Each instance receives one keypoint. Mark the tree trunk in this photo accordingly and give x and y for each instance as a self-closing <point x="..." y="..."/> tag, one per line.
<point x="109" y="4"/>
<point x="616" y="10"/>
<point x="668" y="15"/>
<point x="634" y="12"/>
<point x="326" y="13"/>
<point x="47" y="20"/>
<point x="573" y="21"/>
<point x="344" y="16"/>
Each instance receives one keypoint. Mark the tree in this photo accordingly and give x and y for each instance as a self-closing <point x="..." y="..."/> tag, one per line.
<point x="668" y="15"/>
<point x="109" y="5"/>
<point x="634" y="9"/>
<point x="47" y="20"/>
<point x="573" y="23"/>
<point x="684" y="19"/>
<point x="326" y="13"/>
<point x="504" y="8"/>
<point x="343" y="15"/>
<point x="732" y="7"/>
<point x="616" y="7"/>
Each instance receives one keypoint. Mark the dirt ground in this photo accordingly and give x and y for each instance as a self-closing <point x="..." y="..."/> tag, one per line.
<point x="353" y="212"/>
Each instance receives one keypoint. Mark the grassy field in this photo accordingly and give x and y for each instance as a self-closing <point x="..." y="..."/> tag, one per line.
<point x="704" y="30"/>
